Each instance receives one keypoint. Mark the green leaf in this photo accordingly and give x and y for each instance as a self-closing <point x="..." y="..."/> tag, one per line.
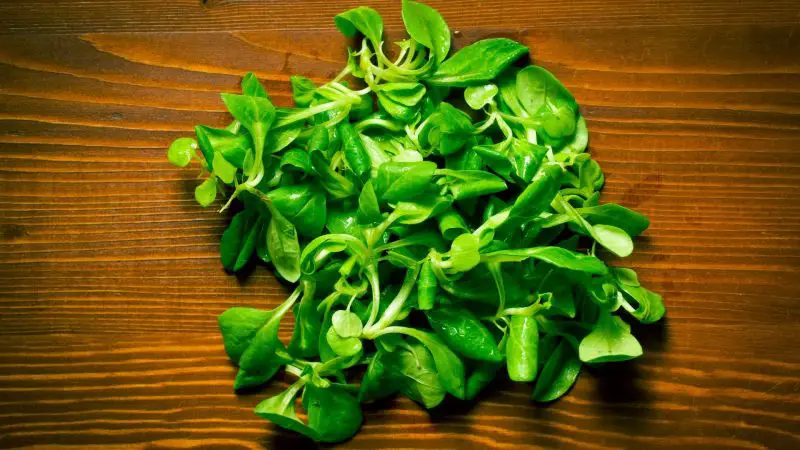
<point x="248" y="245"/>
<point x="302" y="90"/>
<point x="333" y="413"/>
<point x="648" y="306"/>
<point x="556" y="256"/>
<point x="610" y="341"/>
<point x="613" y="238"/>
<point x="206" y="192"/>
<point x="262" y="353"/>
<point x="480" y="377"/>
<point x="245" y="379"/>
<point x="590" y="176"/>
<point x="538" y="195"/>
<point x="343" y="346"/>
<point x="426" y="26"/>
<point x="256" y="114"/>
<point x="346" y="324"/>
<point x="239" y="239"/>
<point x="252" y="87"/>
<point x="464" y="333"/>
<point x="626" y="276"/>
<point x="479" y="96"/>
<point x="427" y="287"/>
<point x="448" y="365"/>
<point x="181" y="151"/>
<point x="379" y="380"/>
<point x="406" y="94"/>
<point x="335" y="184"/>
<point x="296" y="159"/>
<point x="478" y="63"/>
<point x="307" y="325"/>
<point x="580" y="141"/>
<point x="283" y="247"/>
<point x="464" y="253"/>
<point x="397" y="110"/>
<point x="398" y="181"/>
<point x="375" y="151"/>
<point x="618" y="216"/>
<point x="233" y="147"/>
<point x="223" y="169"/>
<point x="304" y="205"/>
<point x="416" y="371"/>
<point x="369" y="210"/>
<point x="558" y="374"/>
<point x="353" y="149"/>
<point x="451" y="128"/>
<point x="238" y="326"/>
<point x="522" y="347"/>
<point x="362" y="20"/>
<point x="451" y="224"/>
<point x="466" y="184"/>
<point x="280" y="410"/>
<point x="278" y="139"/>
<point x="545" y="98"/>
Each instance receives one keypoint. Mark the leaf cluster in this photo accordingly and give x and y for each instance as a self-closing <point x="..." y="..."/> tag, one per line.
<point x="438" y="216"/>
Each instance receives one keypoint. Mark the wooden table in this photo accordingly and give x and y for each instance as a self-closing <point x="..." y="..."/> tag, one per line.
<point x="109" y="273"/>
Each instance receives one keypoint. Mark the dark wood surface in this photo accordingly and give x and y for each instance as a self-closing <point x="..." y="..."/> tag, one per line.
<point x="109" y="273"/>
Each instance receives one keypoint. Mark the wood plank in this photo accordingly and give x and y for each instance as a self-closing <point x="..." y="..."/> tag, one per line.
<point x="70" y="16"/>
<point x="109" y="273"/>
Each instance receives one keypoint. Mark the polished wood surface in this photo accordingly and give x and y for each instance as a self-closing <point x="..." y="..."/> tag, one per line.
<point x="109" y="273"/>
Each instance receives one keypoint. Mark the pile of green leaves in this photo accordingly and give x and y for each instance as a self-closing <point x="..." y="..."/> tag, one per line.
<point x="439" y="222"/>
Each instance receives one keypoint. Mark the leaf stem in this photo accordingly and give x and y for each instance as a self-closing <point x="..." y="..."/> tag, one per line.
<point x="394" y="308"/>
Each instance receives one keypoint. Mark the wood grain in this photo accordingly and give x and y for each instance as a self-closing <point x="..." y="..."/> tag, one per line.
<point x="109" y="273"/>
<point x="70" y="16"/>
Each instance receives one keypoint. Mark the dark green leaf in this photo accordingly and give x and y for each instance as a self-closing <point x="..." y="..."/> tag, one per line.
<point x="464" y="333"/>
<point x="239" y="239"/>
<point x="283" y="247"/>
<point x="558" y="374"/>
<point x="417" y="373"/>
<point x="379" y="380"/>
<point x="398" y="181"/>
<point x="238" y="326"/>
<point x="304" y="205"/>
<point x="333" y="413"/>
<point x="480" y="377"/>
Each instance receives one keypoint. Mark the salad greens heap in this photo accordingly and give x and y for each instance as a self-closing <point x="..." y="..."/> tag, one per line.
<point x="439" y="222"/>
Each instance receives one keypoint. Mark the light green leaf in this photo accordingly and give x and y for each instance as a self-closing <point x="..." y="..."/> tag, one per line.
<point x="181" y="151"/>
<point x="610" y="341"/>
<point x="206" y="192"/>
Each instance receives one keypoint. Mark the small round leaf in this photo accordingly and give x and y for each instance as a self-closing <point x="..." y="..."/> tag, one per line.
<point x="181" y="151"/>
